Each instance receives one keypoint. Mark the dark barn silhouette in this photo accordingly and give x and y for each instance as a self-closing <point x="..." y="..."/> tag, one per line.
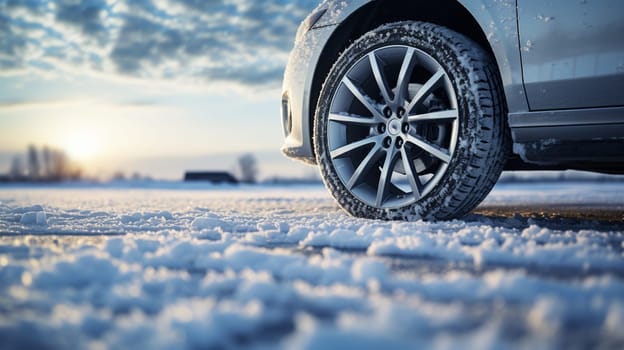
<point x="216" y="177"/>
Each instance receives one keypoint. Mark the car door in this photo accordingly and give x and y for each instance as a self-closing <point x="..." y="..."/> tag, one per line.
<point x="572" y="53"/>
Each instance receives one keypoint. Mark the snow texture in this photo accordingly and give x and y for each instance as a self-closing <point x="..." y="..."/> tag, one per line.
<point x="270" y="267"/>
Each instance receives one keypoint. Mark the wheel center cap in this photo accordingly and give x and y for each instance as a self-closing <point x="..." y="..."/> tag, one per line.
<point x="394" y="127"/>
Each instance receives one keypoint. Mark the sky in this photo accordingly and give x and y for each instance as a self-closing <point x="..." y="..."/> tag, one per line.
<point x="152" y="86"/>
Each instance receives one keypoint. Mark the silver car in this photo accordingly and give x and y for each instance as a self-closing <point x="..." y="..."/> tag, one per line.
<point x="412" y="109"/>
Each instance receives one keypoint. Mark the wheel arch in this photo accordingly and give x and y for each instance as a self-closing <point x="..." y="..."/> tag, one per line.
<point x="468" y="17"/>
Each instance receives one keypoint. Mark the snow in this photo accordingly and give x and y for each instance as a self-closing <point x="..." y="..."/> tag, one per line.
<point x="33" y="218"/>
<point x="210" y="223"/>
<point x="545" y="18"/>
<point x="528" y="46"/>
<point x="536" y="265"/>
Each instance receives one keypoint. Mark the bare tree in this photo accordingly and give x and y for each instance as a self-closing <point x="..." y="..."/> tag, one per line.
<point x="247" y="168"/>
<point x="48" y="165"/>
<point x="33" y="163"/>
<point x="118" y="176"/>
<point x="61" y="167"/>
<point x="17" y="168"/>
<point x="47" y="161"/>
<point x="58" y="165"/>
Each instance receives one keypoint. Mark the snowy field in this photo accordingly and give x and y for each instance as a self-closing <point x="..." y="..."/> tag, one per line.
<point x="537" y="266"/>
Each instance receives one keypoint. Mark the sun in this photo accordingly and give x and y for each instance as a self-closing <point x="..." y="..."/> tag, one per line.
<point x="81" y="144"/>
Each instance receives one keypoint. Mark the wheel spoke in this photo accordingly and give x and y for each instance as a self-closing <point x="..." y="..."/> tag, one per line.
<point x="352" y="119"/>
<point x="404" y="74"/>
<point x="430" y="148"/>
<point x="412" y="175"/>
<point x="365" y="166"/>
<point x="348" y="148"/>
<point x="386" y="175"/>
<point x="366" y="101"/>
<point x="450" y="114"/>
<point x="426" y="89"/>
<point x="380" y="77"/>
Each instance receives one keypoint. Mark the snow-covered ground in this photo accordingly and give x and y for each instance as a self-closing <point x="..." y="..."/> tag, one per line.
<point x="536" y="266"/>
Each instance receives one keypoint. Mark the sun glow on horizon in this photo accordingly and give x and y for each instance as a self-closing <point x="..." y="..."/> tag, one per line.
<point x="82" y="145"/>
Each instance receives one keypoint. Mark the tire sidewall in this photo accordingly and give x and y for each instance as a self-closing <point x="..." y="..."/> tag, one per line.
<point x="463" y="78"/>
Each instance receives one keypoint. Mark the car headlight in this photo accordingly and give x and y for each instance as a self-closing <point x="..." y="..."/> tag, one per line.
<point x="309" y="22"/>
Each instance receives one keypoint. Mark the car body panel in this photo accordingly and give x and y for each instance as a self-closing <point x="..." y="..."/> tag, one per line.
<point x="299" y="77"/>
<point x="572" y="53"/>
<point x="498" y="21"/>
<point x="338" y="11"/>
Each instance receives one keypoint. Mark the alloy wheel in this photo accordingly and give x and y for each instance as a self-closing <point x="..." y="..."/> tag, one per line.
<point x="393" y="125"/>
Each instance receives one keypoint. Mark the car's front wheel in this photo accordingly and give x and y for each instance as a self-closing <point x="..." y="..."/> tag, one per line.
<point x="410" y="125"/>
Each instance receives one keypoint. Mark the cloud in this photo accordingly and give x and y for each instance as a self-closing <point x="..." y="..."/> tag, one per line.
<point x="88" y="16"/>
<point x="11" y="46"/>
<point x="142" y="42"/>
<point x="243" y="42"/>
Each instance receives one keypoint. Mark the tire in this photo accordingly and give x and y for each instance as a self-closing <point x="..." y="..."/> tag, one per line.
<point x="430" y="148"/>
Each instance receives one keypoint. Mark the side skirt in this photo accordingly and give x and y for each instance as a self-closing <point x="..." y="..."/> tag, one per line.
<point x="583" y="139"/>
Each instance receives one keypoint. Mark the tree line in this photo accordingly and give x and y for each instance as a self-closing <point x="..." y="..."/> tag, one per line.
<point x="46" y="165"/>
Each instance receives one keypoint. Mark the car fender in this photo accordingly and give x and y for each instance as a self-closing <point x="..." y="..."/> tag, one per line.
<point x="497" y="20"/>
